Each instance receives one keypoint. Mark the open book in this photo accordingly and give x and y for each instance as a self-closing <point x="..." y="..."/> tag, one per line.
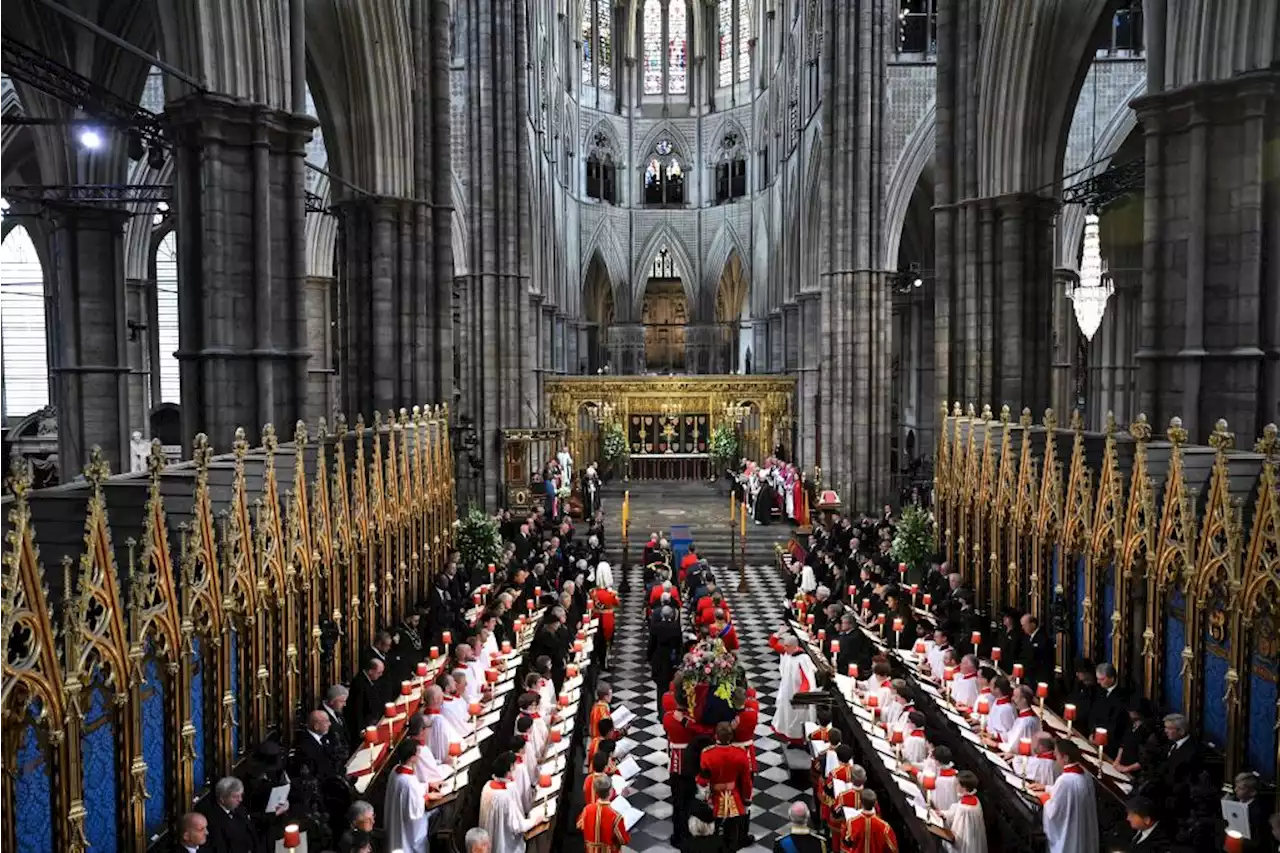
<point x="630" y="814"/>
<point x="628" y="769"/>
<point x="622" y="717"/>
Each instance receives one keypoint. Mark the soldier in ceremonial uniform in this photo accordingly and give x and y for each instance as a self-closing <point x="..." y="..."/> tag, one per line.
<point x="729" y="770"/>
<point x="679" y="736"/>
<point x="602" y="828"/>
<point x="868" y="832"/>
<point x="605" y="600"/>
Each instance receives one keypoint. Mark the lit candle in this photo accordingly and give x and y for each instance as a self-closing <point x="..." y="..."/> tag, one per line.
<point x="476" y="599"/>
<point x="1024" y="746"/>
<point x="1234" y="842"/>
<point x="896" y="736"/>
<point x="370" y="735"/>
<point x="434" y="651"/>
<point x="822" y="635"/>
<point x="928" y="600"/>
<point x="571" y="671"/>
<point x="1100" y="737"/>
<point x="519" y="625"/>
<point x="577" y="647"/>
<point x="1042" y="690"/>
<point x="948" y="672"/>
<point x="976" y="638"/>
<point x="544" y="780"/>
<point x="491" y="676"/>
<point x="995" y="654"/>
<point x="1017" y="670"/>
<point x="853" y="590"/>
<point x="563" y="700"/>
<point x="421" y="669"/>
<point x="853" y="670"/>
<point x="537" y="592"/>
<point x="1069" y="712"/>
<point x="984" y="705"/>
<point x="929" y="781"/>
<point x="902" y="568"/>
<point x="292" y="837"/>
<point x="529" y="605"/>
<point x="446" y="638"/>
<point x="506" y="647"/>
<point x="389" y="710"/>
<point x="491" y="570"/>
<point x="475" y="708"/>
<point x="873" y="701"/>
<point x="835" y="648"/>
<point x="920" y="647"/>
<point x="897" y="623"/>
<point x="866" y="604"/>
<point x="879" y="618"/>
<point x="809" y="619"/>
<point x="556" y="735"/>
<point x="455" y="749"/>
<point x="406" y="687"/>
<point x="1044" y="797"/>
<point x="743" y="515"/>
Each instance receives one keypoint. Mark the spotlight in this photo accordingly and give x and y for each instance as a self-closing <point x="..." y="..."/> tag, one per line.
<point x="137" y="150"/>
<point x="90" y="139"/>
<point x="919" y="282"/>
<point x="155" y="157"/>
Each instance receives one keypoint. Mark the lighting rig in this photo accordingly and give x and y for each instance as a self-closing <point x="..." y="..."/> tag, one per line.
<point x="905" y="281"/>
<point x="1107" y="187"/>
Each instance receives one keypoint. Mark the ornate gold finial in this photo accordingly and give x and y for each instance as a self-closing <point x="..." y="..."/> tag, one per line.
<point x="404" y="415"/>
<point x="20" y="477"/>
<point x="1176" y="434"/>
<point x="1004" y="414"/>
<point x="377" y="420"/>
<point x="1221" y="439"/>
<point x="269" y="440"/>
<point x="1077" y="421"/>
<point x="97" y="471"/>
<point x="155" y="459"/>
<point x="969" y="412"/>
<point x="300" y="433"/>
<point x="322" y="430"/>
<point x="241" y="445"/>
<point x="340" y="425"/>
<point x="1267" y="445"/>
<point x="360" y="423"/>
<point x="417" y="414"/>
<point x="1109" y="427"/>
<point x="956" y="412"/>
<point x="200" y="452"/>
<point x="1050" y="420"/>
<point x="1024" y="420"/>
<point x="1141" y="429"/>
<point x="986" y="411"/>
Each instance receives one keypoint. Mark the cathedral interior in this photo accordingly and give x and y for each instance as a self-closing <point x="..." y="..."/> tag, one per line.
<point x="285" y="284"/>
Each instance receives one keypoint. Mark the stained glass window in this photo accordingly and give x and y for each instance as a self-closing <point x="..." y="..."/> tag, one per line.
<point x="604" y="31"/>
<point x="653" y="54"/>
<point x="726" y="41"/>
<point x="588" y="55"/>
<point x="677" y="49"/>
<point x="744" y="40"/>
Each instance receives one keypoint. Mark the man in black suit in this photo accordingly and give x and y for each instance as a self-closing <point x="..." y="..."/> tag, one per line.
<point x="230" y="828"/>
<point x="1246" y="791"/>
<point x="335" y="701"/>
<point x="1037" y="651"/>
<point x="1181" y="763"/>
<point x="799" y="837"/>
<point x="1084" y="692"/>
<point x="364" y="704"/>
<point x="1150" y="834"/>
<point x="315" y="747"/>
<point x="1110" y="708"/>
<point x="193" y="834"/>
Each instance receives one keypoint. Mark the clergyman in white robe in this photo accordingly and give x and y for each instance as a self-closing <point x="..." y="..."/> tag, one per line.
<point x="503" y="817"/>
<point x="440" y="733"/>
<point x="1002" y="715"/>
<point x="428" y="769"/>
<point x="458" y="712"/>
<point x="405" y="811"/>
<point x="964" y="819"/>
<point x="1040" y="768"/>
<point x="798" y="676"/>
<point x="1071" y="815"/>
<point x="964" y="689"/>
<point x="1025" y="725"/>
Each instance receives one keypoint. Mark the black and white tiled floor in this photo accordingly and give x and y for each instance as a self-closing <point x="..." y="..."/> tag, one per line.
<point x="756" y="614"/>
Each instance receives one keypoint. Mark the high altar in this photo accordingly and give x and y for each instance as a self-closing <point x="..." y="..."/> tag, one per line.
<point x="668" y="420"/>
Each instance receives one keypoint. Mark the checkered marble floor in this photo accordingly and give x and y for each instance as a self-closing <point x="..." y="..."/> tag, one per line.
<point x="756" y="614"/>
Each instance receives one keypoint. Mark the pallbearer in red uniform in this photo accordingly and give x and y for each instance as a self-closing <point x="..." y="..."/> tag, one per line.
<point x="679" y="735"/>
<point x="868" y="832"/>
<point x="600" y="710"/>
<point x="605" y="601"/>
<point x="602" y="828"/>
<point x="723" y="630"/>
<point x="744" y="725"/>
<point x="729" y="770"/>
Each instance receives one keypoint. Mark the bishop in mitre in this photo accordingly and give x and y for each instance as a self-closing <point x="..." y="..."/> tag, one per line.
<point x="798" y="676"/>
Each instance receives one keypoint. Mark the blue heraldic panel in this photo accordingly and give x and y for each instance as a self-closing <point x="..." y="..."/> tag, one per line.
<point x="99" y="758"/>
<point x="32" y="789"/>
<point x="234" y="652"/>
<point x="1215" y="688"/>
<point x="1175" y="639"/>
<point x="197" y="711"/>
<point x="1262" y="713"/>
<point x="1080" y="597"/>
<point x="1108" y="607"/>
<point x="153" y="743"/>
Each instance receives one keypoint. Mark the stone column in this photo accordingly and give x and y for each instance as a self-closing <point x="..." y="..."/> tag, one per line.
<point x="322" y="382"/>
<point x="1210" y="332"/>
<point x="242" y="247"/>
<point x="855" y="331"/>
<point x="704" y="349"/>
<point x="89" y="356"/>
<point x="141" y="328"/>
<point x="807" y="390"/>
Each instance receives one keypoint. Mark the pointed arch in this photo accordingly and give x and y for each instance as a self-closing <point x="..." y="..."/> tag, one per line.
<point x="726" y="242"/>
<point x="667" y="128"/>
<point x="916" y="154"/>
<point x="604" y="241"/>
<point x="138" y="230"/>
<point x="664" y="236"/>
<point x="599" y="291"/>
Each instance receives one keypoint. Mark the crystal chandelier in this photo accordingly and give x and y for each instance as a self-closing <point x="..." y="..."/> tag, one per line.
<point x="1090" y="294"/>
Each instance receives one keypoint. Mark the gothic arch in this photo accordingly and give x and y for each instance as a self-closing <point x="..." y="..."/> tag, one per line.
<point x="714" y="141"/>
<point x="1026" y="101"/>
<point x="1201" y="46"/>
<point x="137" y="232"/>
<point x="1117" y="129"/>
<point x="697" y="48"/>
<point x="663" y="236"/>
<point x="604" y="241"/>
<point x="668" y="129"/>
<point x="916" y="155"/>
<point x="723" y="246"/>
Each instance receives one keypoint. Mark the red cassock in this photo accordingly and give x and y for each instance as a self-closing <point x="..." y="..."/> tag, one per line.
<point x="869" y="833"/>
<point x="679" y="735"/>
<point x="599" y="711"/>
<point x="687" y="562"/>
<point x="744" y="733"/>
<point x="592" y="746"/>
<point x="588" y="787"/>
<point x="602" y="829"/>
<point x="729" y="770"/>
<point x="606" y="600"/>
<point x="843" y="773"/>
<point x="668" y="702"/>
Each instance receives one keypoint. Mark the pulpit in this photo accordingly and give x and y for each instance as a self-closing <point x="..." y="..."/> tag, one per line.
<point x="524" y="451"/>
